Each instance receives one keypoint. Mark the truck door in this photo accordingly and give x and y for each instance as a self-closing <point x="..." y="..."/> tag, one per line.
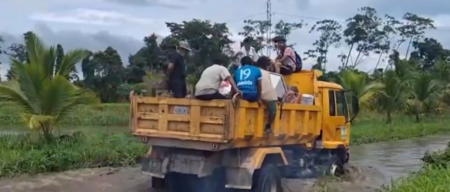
<point x="338" y="116"/>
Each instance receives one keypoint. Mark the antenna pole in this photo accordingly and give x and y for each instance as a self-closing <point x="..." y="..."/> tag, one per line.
<point x="269" y="25"/>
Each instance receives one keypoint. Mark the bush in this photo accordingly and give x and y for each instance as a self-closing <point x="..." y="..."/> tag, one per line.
<point x="439" y="159"/>
<point x="29" y="153"/>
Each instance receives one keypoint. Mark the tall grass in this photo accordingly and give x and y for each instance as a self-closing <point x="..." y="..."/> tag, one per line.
<point x="106" y="115"/>
<point x="29" y="153"/>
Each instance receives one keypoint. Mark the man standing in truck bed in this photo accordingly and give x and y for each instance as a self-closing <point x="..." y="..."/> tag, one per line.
<point x="176" y="71"/>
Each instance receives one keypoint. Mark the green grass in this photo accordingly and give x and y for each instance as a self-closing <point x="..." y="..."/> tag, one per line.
<point x="29" y="153"/>
<point x="106" y="115"/>
<point x="372" y="128"/>
<point x="429" y="179"/>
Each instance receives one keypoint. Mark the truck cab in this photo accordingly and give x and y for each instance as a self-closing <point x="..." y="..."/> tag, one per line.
<point x="221" y="144"/>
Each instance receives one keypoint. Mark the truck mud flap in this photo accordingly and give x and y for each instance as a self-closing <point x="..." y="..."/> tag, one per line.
<point x="153" y="167"/>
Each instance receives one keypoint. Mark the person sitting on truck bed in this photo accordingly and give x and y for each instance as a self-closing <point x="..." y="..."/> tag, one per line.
<point x="268" y="93"/>
<point x="285" y="62"/>
<point x="248" y="80"/>
<point x="207" y="87"/>
<point x="291" y="95"/>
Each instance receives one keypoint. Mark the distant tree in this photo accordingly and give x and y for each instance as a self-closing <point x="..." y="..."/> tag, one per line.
<point x="330" y="34"/>
<point x="362" y="33"/>
<point x="413" y="29"/>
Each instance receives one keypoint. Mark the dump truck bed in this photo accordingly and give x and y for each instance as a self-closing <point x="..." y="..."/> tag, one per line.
<point x="220" y="124"/>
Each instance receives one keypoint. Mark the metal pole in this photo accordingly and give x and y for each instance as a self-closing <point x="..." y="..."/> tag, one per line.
<point x="269" y="26"/>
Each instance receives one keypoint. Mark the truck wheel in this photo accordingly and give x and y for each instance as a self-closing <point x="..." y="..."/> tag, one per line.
<point x="175" y="182"/>
<point x="213" y="183"/>
<point x="158" y="184"/>
<point x="334" y="166"/>
<point x="268" y="179"/>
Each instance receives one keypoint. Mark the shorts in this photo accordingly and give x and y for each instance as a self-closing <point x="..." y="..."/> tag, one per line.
<point x="286" y="70"/>
<point x="250" y="97"/>
<point x="271" y="107"/>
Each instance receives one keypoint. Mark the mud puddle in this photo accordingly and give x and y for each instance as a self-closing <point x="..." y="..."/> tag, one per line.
<point x="131" y="180"/>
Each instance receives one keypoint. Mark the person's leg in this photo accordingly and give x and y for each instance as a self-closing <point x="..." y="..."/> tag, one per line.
<point x="250" y="97"/>
<point x="286" y="70"/>
<point x="272" y="112"/>
<point x="178" y="88"/>
<point x="208" y="97"/>
<point x="277" y="67"/>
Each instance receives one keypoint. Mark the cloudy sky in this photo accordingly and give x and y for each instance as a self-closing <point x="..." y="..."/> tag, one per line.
<point x="96" y="24"/>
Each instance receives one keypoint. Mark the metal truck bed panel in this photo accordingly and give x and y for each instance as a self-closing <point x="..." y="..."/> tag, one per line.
<point x="221" y="122"/>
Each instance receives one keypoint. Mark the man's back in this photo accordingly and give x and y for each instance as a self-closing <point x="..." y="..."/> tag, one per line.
<point x="268" y="92"/>
<point x="246" y="78"/>
<point x="210" y="79"/>
<point x="179" y="67"/>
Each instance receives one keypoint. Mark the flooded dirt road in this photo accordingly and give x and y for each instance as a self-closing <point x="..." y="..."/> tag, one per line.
<point x="372" y="165"/>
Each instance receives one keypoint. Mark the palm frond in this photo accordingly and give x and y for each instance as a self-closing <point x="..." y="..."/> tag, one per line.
<point x="28" y="79"/>
<point x="11" y="93"/>
<point x="35" y="48"/>
<point x="69" y="60"/>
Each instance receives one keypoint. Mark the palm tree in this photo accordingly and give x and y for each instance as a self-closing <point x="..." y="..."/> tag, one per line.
<point x="392" y="96"/>
<point x="425" y="90"/>
<point x="40" y="89"/>
<point x="359" y="84"/>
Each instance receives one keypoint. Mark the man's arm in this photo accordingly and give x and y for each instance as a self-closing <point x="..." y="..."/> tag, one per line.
<point x="172" y="60"/>
<point x="232" y="83"/>
<point x="226" y="76"/>
<point x="259" y="84"/>
<point x="286" y="54"/>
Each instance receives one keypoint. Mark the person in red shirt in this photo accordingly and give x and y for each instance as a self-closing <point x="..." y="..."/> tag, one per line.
<point x="285" y="63"/>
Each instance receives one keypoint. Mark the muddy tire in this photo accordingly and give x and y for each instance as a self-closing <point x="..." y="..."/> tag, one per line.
<point x="175" y="182"/>
<point x="334" y="166"/>
<point x="267" y="179"/>
<point x="158" y="184"/>
<point x="212" y="183"/>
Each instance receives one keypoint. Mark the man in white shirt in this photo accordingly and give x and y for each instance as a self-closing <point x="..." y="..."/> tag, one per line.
<point x="207" y="87"/>
<point x="247" y="50"/>
<point x="268" y="93"/>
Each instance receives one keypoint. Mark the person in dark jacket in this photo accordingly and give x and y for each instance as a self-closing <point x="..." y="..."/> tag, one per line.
<point x="176" y="71"/>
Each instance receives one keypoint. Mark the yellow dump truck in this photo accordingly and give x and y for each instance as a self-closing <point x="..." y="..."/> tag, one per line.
<point x="203" y="146"/>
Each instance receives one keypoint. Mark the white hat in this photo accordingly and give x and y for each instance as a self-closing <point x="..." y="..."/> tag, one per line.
<point x="184" y="45"/>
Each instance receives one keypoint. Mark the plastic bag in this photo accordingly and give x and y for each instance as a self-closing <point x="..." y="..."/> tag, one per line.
<point x="225" y="88"/>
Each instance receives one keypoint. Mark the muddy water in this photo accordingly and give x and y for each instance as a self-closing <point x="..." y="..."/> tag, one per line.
<point x="371" y="166"/>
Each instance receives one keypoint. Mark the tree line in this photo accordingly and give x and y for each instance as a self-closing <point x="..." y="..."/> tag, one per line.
<point x="367" y="33"/>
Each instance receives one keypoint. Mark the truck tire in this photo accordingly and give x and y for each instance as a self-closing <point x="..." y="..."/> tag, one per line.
<point x="334" y="166"/>
<point x="212" y="183"/>
<point x="267" y="179"/>
<point x="175" y="182"/>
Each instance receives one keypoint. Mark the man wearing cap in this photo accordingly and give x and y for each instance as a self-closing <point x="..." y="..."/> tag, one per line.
<point x="176" y="71"/>
<point x="286" y="60"/>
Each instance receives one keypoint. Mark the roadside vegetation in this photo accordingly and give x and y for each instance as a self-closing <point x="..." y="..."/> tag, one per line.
<point x="53" y="120"/>
<point x="434" y="176"/>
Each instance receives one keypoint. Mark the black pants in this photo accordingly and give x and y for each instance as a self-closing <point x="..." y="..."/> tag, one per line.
<point x="207" y="97"/>
<point x="286" y="70"/>
<point x="177" y="87"/>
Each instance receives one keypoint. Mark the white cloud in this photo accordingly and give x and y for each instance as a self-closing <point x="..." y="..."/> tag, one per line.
<point x="92" y="16"/>
<point x="441" y="21"/>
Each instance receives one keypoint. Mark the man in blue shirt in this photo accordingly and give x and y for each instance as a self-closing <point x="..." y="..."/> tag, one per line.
<point x="248" y="80"/>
